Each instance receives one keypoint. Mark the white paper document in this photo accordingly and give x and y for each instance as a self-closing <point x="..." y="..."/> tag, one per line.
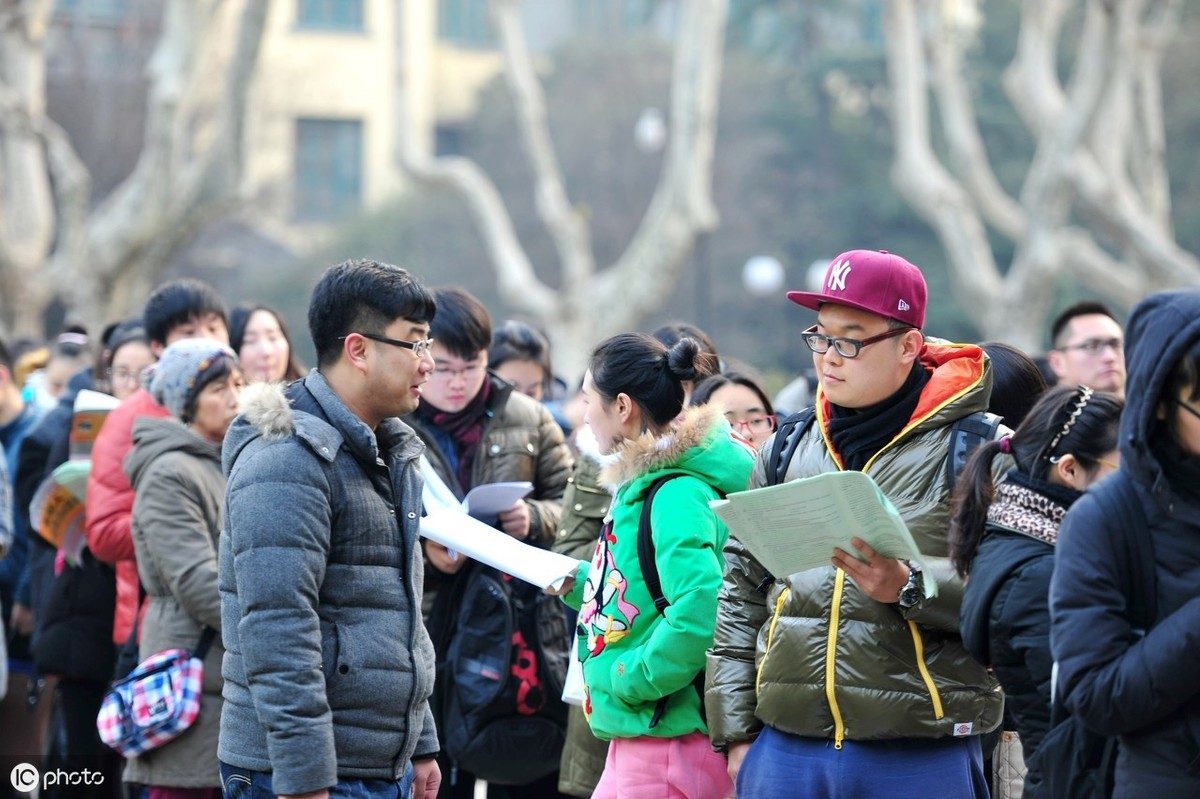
<point x="470" y="537"/>
<point x="449" y="524"/>
<point x="793" y="527"/>
<point x="485" y="502"/>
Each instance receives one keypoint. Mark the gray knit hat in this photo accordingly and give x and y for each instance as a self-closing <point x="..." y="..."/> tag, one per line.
<point x="183" y="371"/>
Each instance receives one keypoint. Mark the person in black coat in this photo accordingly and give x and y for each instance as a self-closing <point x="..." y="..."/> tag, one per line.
<point x="1003" y="538"/>
<point x="1142" y="685"/>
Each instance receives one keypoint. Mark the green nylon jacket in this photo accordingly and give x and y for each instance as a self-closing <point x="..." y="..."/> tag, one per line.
<point x="811" y="654"/>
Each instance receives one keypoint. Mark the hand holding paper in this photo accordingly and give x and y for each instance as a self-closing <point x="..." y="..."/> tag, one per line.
<point x="795" y="526"/>
<point x="458" y="528"/>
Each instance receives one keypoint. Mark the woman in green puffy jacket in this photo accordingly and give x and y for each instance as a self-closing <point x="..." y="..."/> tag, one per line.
<point x="642" y="653"/>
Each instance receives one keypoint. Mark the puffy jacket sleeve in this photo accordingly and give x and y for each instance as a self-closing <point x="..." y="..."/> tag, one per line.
<point x="175" y="539"/>
<point x="1114" y="680"/>
<point x="278" y="515"/>
<point x="730" y="695"/>
<point x="109" y="494"/>
<point x="553" y="471"/>
<point x="687" y="538"/>
<point x="1021" y="618"/>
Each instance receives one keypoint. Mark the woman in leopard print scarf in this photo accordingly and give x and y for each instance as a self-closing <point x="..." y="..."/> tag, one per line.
<point x="1002" y="537"/>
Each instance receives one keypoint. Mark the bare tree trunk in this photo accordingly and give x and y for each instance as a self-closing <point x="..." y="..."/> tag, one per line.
<point x="103" y="262"/>
<point x="27" y="203"/>
<point x="1100" y="156"/>
<point x="591" y="303"/>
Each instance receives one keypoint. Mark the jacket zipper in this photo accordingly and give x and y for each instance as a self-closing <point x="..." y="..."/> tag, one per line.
<point x="839" y="726"/>
<point x="919" y="646"/>
<point x="771" y="636"/>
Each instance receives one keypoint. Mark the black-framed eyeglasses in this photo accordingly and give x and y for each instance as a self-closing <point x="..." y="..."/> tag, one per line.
<point x="419" y="348"/>
<point x="846" y="347"/>
<point x="1193" y="411"/>
<point x="1095" y="346"/>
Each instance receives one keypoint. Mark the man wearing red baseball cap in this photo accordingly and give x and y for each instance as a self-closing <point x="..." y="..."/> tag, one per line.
<point x="835" y="681"/>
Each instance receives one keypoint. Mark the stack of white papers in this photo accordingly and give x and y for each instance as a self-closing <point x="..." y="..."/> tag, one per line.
<point x="458" y="527"/>
<point x="794" y="527"/>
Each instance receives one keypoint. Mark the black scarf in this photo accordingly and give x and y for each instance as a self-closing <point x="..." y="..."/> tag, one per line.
<point x="858" y="434"/>
<point x="465" y="429"/>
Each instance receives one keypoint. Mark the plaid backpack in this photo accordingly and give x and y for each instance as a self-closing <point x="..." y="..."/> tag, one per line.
<point x="156" y="702"/>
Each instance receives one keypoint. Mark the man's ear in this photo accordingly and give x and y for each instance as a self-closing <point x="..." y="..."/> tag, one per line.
<point x="910" y="345"/>
<point x="1054" y="360"/>
<point x="156" y="349"/>
<point x="354" y="347"/>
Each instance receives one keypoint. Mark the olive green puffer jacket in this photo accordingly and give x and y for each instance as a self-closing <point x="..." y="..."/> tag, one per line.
<point x="813" y="655"/>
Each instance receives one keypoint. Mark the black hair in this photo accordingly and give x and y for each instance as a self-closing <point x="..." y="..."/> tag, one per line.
<point x="671" y="333"/>
<point x="704" y="390"/>
<point x="1085" y="308"/>
<point x="520" y="341"/>
<point x="362" y="296"/>
<point x="6" y="359"/>
<point x="237" y="333"/>
<point x="1017" y="382"/>
<point x="1185" y="376"/>
<point x="179" y="302"/>
<point x="650" y="374"/>
<point x="463" y="326"/>
<point x="220" y="369"/>
<point x="1067" y="420"/>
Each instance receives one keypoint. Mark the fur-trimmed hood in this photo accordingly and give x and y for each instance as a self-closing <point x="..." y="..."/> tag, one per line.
<point x="311" y="410"/>
<point x="265" y="406"/>
<point x="700" y="443"/>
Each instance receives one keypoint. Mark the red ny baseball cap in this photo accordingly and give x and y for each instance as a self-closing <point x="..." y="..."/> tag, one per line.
<point x="879" y="282"/>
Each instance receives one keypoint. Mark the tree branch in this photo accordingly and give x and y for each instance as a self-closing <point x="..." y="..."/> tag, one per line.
<point x="682" y="205"/>
<point x="967" y="151"/>
<point x="567" y="227"/>
<point x="918" y="174"/>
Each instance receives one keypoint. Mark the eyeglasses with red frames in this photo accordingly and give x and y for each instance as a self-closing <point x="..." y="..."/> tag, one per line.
<point x="758" y="424"/>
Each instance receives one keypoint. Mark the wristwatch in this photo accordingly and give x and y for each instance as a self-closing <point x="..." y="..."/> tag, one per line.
<point x="914" y="590"/>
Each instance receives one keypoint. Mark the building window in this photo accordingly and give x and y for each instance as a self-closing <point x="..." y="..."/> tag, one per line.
<point x="340" y="15"/>
<point x="328" y="168"/>
<point x="93" y="11"/>
<point x="465" y="22"/>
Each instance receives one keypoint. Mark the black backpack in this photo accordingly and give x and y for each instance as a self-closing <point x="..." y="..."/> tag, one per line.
<point x="1072" y="761"/>
<point x="502" y="716"/>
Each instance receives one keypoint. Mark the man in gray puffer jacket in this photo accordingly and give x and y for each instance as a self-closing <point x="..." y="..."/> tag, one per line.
<point x="328" y="668"/>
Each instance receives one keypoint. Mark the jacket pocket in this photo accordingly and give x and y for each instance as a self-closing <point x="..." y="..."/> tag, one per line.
<point x="511" y="453"/>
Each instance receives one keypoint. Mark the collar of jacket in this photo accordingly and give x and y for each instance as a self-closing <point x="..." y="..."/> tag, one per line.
<point x="647" y="452"/>
<point x="324" y="421"/>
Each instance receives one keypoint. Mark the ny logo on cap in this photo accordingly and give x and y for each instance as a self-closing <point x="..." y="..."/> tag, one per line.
<point x="838" y="272"/>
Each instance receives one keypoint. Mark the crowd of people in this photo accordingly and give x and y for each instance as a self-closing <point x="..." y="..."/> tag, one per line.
<point x="269" y="518"/>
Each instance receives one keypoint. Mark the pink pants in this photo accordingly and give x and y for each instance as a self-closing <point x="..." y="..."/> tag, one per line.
<point x="664" y="768"/>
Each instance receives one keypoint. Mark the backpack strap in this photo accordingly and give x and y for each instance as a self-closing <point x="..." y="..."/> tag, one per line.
<point x="966" y="434"/>
<point x="787" y="438"/>
<point x="206" y="639"/>
<point x="645" y="545"/>
<point x="650" y="575"/>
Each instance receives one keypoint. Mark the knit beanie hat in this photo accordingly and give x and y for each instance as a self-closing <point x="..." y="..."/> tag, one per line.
<point x="183" y="370"/>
